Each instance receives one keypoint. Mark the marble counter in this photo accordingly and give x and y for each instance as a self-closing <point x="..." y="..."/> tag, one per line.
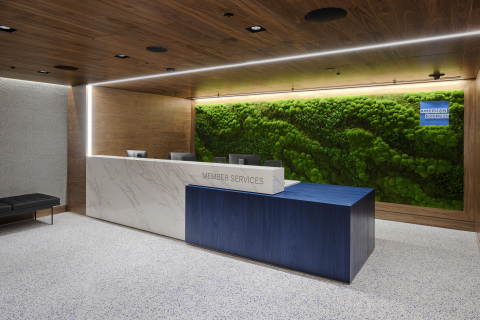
<point x="149" y="194"/>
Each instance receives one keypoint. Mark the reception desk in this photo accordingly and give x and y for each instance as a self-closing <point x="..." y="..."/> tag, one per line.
<point x="149" y="194"/>
<point x="320" y="229"/>
<point x="250" y="211"/>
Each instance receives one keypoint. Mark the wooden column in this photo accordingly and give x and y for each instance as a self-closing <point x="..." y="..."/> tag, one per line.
<point x="77" y="149"/>
<point x="476" y="151"/>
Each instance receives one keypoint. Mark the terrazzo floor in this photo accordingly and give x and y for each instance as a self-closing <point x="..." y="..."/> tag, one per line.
<point x="83" y="268"/>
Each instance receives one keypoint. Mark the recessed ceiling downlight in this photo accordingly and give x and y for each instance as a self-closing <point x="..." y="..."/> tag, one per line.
<point x="121" y="56"/>
<point x="156" y="49"/>
<point x="43" y="71"/>
<point x="254" y="29"/>
<point x="66" y="68"/>
<point x="325" y="15"/>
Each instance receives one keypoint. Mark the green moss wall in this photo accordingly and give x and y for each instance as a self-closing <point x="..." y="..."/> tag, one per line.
<point x="365" y="141"/>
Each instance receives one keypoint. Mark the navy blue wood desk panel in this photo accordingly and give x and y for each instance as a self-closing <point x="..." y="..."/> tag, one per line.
<point x="319" y="229"/>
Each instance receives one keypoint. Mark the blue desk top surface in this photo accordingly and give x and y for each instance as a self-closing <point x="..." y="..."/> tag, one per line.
<point x="314" y="192"/>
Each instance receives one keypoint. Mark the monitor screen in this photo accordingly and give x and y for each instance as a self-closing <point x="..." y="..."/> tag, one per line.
<point x="183" y="156"/>
<point x="247" y="159"/>
<point x="137" y="153"/>
<point x="219" y="159"/>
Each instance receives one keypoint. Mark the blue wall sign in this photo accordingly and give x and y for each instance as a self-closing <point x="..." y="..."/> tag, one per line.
<point x="434" y="113"/>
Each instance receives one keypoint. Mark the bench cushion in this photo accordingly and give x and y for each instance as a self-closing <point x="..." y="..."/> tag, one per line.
<point x="30" y="201"/>
<point x="44" y="199"/>
<point x="4" y="207"/>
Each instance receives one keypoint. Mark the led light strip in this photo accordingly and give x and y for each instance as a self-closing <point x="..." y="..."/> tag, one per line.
<point x="295" y="57"/>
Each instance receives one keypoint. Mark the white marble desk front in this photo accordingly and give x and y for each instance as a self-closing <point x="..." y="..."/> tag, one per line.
<point x="149" y="194"/>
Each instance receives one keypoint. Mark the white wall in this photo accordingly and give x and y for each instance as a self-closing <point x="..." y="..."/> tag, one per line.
<point x="33" y="138"/>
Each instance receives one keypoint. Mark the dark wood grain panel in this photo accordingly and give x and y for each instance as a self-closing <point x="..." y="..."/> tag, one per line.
<point x="470" y="159"/>
<point x="89" y="33"/>
<point x="476" y="151"/>
<point x="192" y="126"/>
<point x="125" y="120"/>
<point x="423" y="211"/>
<point x="77" y="148"/>
<point x="425" y="220"/>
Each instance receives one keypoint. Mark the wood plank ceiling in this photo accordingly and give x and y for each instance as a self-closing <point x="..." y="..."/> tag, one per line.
<point x="88" y="34"/>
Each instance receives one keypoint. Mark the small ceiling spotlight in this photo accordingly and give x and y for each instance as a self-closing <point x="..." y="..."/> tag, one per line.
<point x="7" y="29"/>
<point x="156" y="49"/>
<point x="436" y="75"/>
<point x="121" y="56"/>
<point x="255" y="29"/>
<point x="325" y="15"/>
<point x="43" y="71"/>
<point x="329" y="69"/>
<point x="170" y="69"/>
<point x="228" y="14"/>
<point x="69" y="68"/>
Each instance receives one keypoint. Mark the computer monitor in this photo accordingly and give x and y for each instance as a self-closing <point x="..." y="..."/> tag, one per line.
<point x="247" y="159"/>
<point x="137" y="153"/>
<point x="183" y="156"/>
<point x="272" y="163"/>
<point x="219" y="159"/>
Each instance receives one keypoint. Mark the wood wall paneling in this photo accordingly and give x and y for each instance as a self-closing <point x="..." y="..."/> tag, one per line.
<point x="424" y="220"/>
<point x="476" y="151"/>
<point x="192" y="126"/>
<point x="77" y="139"/>
<point x="423" y="211"/>
<point x="125" y="120"/>
<point x="470" y="115"/>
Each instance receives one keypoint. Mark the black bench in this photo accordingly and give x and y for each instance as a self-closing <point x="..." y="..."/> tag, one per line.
<point x="27" y="203"/>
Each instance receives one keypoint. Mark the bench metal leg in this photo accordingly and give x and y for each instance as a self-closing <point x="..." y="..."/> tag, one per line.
<point x="35" y="214"/>
<point x="52" y="215"/>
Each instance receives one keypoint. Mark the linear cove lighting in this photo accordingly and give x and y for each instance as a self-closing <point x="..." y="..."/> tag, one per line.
<point x="295" y="57"/>
<point x="370" y="85"/>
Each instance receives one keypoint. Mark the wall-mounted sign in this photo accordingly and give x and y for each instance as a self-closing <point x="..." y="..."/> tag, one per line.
<point x="434" y="113"/>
